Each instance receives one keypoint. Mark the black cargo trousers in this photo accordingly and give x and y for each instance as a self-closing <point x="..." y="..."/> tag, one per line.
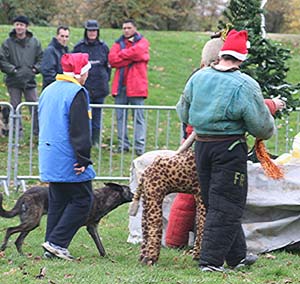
<point x="222" y="173"/>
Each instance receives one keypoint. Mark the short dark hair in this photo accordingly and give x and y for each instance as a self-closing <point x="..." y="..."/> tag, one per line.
<point x="131" y="21"/>
<point x="62" y="27"/>
<point x="229" y="57"/>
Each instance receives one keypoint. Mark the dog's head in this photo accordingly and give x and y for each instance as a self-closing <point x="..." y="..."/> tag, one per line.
<point x="123" y="189"/>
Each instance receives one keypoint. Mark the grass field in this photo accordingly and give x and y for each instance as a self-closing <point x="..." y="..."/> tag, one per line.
<point x="174" y="55"/>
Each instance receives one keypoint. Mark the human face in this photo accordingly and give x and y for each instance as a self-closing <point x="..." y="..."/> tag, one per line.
<point x="92" y="34"/>
<point x="83" y="78"/>
<point x="63" y="37"/>
<point x="129" y="30"/>
<point x="21" y="29"/>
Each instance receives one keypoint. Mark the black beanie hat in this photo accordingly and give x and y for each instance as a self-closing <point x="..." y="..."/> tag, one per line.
<point x="21" y="19"/>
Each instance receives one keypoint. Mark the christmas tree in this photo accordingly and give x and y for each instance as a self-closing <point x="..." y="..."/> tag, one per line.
<point x="266" y="61"/>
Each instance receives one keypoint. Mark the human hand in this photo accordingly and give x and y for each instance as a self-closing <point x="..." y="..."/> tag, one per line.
<point x="279" y="103"/>
<point x="78" y="169"/>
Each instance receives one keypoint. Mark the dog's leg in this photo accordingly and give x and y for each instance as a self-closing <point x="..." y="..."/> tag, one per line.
<point x="92" y="229"/>
<point x="10" y="231"/>
<point x="19" y="241"/>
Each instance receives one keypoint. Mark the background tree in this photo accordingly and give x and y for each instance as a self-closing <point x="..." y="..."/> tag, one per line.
<point x="266" y="62"/>
<point x="71" y="12"/>
<point x="40" y="12"/>
<point x="149" y="14"/>
<point x="208" y="12"/>
<point x="292" y="18"/>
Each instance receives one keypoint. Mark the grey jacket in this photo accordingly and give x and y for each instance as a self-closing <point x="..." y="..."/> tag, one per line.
<point x="20" y="60"/>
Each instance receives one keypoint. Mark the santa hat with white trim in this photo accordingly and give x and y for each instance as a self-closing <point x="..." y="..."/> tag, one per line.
<point x="236" y="45"/>
<point x="75" y="64"/>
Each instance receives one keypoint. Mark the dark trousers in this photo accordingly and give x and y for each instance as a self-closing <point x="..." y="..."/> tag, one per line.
<point x="222" y="174"/>
<point x="30" y="96"/>
<point x="69" y="206"/>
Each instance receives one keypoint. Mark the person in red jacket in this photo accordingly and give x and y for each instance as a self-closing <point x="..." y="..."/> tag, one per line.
<point x="130" y="56"/>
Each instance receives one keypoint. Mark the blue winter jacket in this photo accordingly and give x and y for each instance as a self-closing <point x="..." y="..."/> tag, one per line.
<point x="56" y="154"/>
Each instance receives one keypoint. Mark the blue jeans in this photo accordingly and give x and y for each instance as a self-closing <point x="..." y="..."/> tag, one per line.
<point x="138" y="118"/>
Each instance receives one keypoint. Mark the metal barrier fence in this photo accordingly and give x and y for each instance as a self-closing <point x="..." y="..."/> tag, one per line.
<point x="6" y="130"/>
<point x="163" y="131"/>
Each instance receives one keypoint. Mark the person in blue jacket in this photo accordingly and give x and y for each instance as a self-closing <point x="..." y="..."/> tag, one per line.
<point x="99" y="75"/>
<point x="64" y="153"/>
<point x="50" y="65"/>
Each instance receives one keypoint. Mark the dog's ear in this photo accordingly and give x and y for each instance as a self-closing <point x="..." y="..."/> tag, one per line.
<point x="113" y="185"/>
<point x="116" y="186"/>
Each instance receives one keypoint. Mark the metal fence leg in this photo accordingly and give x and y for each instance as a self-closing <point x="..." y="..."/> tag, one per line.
<point x="4" y="183"/>
<point x="23" y="185"/>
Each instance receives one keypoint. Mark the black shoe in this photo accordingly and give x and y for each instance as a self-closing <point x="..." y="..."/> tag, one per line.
<point x="247" y="261"/>
<point x="212" y="268"/>
<point x="139" y="152"/>
<point x="120" y="150"/>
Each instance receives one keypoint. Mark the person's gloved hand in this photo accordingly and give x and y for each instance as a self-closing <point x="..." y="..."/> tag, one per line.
<point x="279" y="103"/>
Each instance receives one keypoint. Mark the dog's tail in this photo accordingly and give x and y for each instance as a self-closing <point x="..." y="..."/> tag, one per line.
<point x="134" y="205"/>
<point x="11" y="213"/>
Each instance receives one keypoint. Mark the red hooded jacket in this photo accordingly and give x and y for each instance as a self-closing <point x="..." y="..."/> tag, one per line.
<point x="130" y="58"/>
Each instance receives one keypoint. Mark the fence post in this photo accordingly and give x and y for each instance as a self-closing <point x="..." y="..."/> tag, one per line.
<point x="6" y="179"/>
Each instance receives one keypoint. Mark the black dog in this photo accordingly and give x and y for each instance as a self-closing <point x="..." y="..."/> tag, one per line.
<point x="32" y="204"/>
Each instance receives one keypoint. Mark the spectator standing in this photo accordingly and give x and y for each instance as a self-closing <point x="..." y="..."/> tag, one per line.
<point x="99" y="75"/>
<point x="21" y="54"/>
<point x="221" y="104"/>
<point x="64" y="153"/>
<point x="130" y="56"/>
<point x="51" y="65"/>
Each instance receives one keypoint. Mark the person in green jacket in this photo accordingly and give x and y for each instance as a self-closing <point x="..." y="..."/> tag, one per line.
<point x="222" y="104"/>
<point x="20" y="58"/>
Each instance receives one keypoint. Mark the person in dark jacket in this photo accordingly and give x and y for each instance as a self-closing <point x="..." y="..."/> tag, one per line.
<point x="52" y="55"/>
<point x="99" y="75"/>
<point x="64" y="153"/>
<point x="20" y="58"/>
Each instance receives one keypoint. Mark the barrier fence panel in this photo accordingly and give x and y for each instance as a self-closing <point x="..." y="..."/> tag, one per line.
<point x="163" y="131"/>
<point x="6" y="138"/>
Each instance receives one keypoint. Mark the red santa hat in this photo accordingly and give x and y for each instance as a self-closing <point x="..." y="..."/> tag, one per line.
<point x="75" y="64"/>
<point x="236" y="45"/>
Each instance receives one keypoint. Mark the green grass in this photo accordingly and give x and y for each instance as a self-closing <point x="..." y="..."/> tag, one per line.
<point x="121" y="263"/>
<point x="174" y="55"/>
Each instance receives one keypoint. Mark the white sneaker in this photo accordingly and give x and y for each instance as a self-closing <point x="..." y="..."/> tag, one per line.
<point x="58" y="251"/>
<point x="212" y="268"/>
<point x="247" y="261"/>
